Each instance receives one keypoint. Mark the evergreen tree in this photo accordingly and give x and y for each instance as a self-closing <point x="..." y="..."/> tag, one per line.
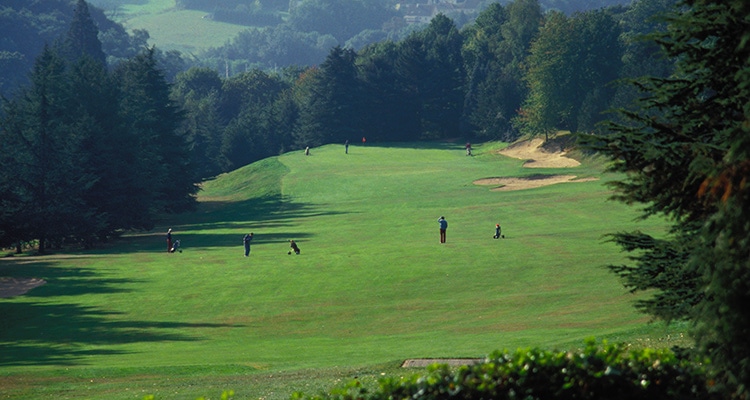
<point x="441" y="87"/>
<point x="82" y="38"/>
<point x="198" y="91"/>
<point x="599" y="52"/>
<point x="410" y="66"/>
<point x="685" y="153"/>
<point x="110" y="152"/>
<point x="14" y="228"/>
<point x="430" y="69"/>
<point x="388" y="111"/>
<point x="43" y="177"/>
<point x="163" y="166"/>
<point x="332" y="111"/>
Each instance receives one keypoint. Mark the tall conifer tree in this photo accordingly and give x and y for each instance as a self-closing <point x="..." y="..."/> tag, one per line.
<point x="44" y="175"/>
<point x="332" y="113"/>
<point x="82" y="38"/>
<point x="163" y="166"/>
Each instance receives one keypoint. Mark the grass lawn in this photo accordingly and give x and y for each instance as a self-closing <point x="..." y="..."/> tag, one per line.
<point x="372" y="286"/>
<point x="174" y="29"/>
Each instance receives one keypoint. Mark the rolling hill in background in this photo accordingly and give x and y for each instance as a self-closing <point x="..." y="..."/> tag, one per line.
<point x="194" y="30"/>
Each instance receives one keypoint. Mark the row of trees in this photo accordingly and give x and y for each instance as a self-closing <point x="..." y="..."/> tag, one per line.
<point x="352" y="21"/>
<point x="311" y="27"/>
<point x="515" y="71"/>
<point x="85" y="152"/>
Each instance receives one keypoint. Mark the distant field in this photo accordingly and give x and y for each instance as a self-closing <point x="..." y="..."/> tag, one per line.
<point x="372" y="286"/>
<point x="172" y="29"/>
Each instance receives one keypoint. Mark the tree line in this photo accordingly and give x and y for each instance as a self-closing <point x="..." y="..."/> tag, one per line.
<point x="514" y="71"/>
<point x="301" y="32"/>
<point x="87" y="152"/>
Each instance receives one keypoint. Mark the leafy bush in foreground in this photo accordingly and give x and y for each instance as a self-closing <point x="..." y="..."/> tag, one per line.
<point x="596" y="372"/>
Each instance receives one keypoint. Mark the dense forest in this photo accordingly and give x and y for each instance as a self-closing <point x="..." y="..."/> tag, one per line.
<point x="279" y="33"/>
<point x="88" y="151"/>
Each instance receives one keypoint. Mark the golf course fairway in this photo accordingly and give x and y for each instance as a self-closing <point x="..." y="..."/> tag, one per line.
<point x="371" y="287"/>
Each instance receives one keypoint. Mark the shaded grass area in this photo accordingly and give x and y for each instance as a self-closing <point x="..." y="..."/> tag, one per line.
<point x="371" y="288"/>
<point x="66" y="332"/>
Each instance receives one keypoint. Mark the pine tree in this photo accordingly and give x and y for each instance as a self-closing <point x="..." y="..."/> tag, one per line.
<point x="385" y="95"/>
<point x="43" y="175"/>
<point x="685" y="152"/>
<point x="110" y="152"/>
<point x="332" y="112"/>
<point x="82" y="38"/>
<point x="441" y="86"/>
<point x="163" y="165"/>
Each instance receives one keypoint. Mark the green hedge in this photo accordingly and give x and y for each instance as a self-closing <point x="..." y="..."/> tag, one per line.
<point x="606" y="371"/>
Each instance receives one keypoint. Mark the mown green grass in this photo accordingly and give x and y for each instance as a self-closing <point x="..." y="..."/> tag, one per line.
<point x="372" y="286"/>
<point x="170" y="28"/>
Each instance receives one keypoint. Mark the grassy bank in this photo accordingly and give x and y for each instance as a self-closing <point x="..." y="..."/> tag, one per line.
<point x="170" y="28"/>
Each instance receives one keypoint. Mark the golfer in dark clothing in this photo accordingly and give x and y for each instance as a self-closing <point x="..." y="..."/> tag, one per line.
<point x="497" y="231"/>
<point x="169" y="240"/>
<point x="443" y="227"/>
<point x="246" y="241"/>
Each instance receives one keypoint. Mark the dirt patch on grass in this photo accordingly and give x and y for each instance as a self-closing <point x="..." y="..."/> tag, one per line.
<point x="539" y="155"/>
<point x="528" y="182"/>
<point x="11" y="287"/>
<point x="453" y="362"/>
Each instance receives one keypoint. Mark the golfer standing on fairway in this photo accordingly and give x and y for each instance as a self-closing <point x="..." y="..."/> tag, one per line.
<point x="443" y="227"/>
<point x="169" y="240"/>
<point x="246" y="241"/>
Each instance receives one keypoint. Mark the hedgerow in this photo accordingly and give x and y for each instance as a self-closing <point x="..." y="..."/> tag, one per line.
<point x="606" y="371"/>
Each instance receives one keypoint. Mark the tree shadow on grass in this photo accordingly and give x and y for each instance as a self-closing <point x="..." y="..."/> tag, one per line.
<point x="37" y="331"/>
<point x="68" y="281"/>
<point x="270" y="211"/>
<point x="253" y="215"/>
<point x="50" y="334"/>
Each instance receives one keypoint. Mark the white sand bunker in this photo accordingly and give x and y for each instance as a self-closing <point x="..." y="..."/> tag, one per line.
<point x="528" y="182"/>
<point x="536" y="156"/>
<point x="11" y="287"/>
